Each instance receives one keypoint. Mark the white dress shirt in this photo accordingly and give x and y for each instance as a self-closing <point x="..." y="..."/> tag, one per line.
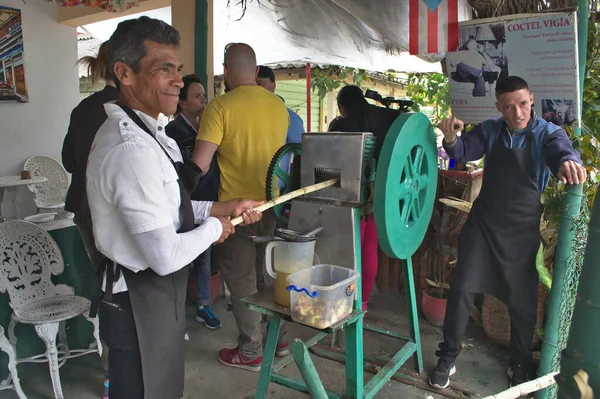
<point x="134" y="198"/>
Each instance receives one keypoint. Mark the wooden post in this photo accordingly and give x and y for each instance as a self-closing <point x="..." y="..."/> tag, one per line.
<point x="203" y="45"/>
<point x="308" y="98"/>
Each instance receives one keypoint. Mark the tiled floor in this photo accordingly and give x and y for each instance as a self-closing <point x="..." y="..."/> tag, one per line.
<point x="481" y="367"/>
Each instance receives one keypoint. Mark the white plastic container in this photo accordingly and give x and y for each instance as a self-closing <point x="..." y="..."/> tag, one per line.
<point x="322" y="295"/>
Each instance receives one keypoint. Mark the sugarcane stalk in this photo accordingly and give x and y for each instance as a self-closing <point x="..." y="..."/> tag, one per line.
<point x="287" y="197"/>
<point x="526" y="387"/>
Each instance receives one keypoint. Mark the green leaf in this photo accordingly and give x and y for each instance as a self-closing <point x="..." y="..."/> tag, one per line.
<point x="543" y="271"/>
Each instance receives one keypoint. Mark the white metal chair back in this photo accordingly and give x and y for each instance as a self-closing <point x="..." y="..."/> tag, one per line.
<point x="28" y="257"/>
<point x="52" y="193"/>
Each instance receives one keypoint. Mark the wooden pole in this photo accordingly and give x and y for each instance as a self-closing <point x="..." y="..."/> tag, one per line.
<point x="308" y="98"/>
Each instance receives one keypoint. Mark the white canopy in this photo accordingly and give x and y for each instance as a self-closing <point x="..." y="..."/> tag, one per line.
<point x="308" y="31"/>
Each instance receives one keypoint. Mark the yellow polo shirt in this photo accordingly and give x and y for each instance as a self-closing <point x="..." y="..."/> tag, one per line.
<point x="249" y="124"/>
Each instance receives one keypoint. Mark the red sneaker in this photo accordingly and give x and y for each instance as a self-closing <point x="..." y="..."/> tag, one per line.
<point x="282" y="349"/>
<point x="233" y="358"/>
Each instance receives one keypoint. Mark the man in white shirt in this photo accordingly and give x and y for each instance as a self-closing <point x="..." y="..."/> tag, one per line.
<point x="144" y="221"/>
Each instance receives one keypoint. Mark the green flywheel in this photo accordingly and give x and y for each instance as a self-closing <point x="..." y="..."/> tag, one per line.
<point x="288" y="175"/>
<point x="405" y="185"/>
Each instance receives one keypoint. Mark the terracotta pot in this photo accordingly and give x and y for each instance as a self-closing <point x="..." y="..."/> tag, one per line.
<point x="215" y="287"/>
<point x="434" y="309"/>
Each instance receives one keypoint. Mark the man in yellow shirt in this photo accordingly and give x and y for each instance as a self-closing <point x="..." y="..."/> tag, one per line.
<point x="245" y="127"/>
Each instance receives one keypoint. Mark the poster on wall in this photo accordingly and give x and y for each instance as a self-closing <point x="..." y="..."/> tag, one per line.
<point x="542" y="49"/>
<point x="12" y="68"/>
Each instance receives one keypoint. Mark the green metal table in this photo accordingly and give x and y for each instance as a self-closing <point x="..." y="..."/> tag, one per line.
<point x="263" y="302"/>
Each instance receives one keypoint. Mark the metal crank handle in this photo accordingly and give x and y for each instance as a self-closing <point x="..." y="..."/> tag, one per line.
<point x="287" y="197"/>
<point x="314" y="232"/>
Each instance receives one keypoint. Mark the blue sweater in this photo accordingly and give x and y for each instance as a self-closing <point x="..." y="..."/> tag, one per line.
<point x="296" y="128"/>
<point x="550" y="145"/>
<point x="294" y="135"/>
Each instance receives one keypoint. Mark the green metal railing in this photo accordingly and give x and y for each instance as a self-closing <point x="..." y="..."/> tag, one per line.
<point x="564" y="288"/>
<point x="566" y="270"/>
<point x="583" y="347"/>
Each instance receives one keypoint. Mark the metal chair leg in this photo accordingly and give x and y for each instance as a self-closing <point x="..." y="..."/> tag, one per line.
<point x="13" y="378"/>
<point x="11" y="331"/>
<point x="63" y="344"/>
<point x="94" y="321"/>
<point x="48" y="333"/>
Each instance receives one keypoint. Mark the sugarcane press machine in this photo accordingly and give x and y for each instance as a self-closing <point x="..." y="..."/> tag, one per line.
<point x="403" y="186"/>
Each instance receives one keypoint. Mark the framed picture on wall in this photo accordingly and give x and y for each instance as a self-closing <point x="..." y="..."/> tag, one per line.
<point x="12" y="67"/>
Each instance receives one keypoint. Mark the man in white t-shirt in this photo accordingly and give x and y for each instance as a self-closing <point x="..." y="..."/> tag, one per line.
<point x="144" y="221"/>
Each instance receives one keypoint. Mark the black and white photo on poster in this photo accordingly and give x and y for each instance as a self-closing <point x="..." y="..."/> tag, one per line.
<point x="541" y="48"/>
<point x="480" y="60"/>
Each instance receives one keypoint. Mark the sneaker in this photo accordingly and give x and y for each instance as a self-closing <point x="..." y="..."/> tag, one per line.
<point x="205" y="315"/>
<point x="186" y="336"/>
<point x="440" y="376"/>
<point x="518" y="374"/>
<point x="233" y="358"/>
<point x="282" y="349"/>
<point x="106" y="384"/>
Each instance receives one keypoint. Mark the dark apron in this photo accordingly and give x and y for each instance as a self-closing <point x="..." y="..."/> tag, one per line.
<point x="158" y="305"/>
<point x="500" y="239"/>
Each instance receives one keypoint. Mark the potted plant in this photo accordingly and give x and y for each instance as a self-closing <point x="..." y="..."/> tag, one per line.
<point x="215" y="286"/>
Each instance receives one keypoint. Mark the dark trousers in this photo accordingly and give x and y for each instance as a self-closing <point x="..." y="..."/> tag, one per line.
<point x="203" y="271"/>
<point x="86" y="231"/>
<point x="241" y="264"/>
<point x="117" y="329"/>
<point x="522" y="327"/>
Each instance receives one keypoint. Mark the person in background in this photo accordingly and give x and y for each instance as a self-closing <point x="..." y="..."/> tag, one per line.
<point x="85" y="121"/>
<point x="244" y="127"/>
<point x="266" y="79"/>
<point x="145" y="224"/>
<point x="184" y="129"/>
<point x="500" y="239"/>
<point x="357" y="115"/>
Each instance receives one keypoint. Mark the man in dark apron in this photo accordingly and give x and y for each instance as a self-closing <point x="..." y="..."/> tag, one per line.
<point x="144" y="222"/>
<point x="499" y="241"/>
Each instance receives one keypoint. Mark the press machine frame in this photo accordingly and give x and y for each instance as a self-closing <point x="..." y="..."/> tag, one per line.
<point x="339" y="210"/>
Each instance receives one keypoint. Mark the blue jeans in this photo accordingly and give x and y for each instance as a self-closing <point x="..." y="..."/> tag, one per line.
<point x="202" y="267"/>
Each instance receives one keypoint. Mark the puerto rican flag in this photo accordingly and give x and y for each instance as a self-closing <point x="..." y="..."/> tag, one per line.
<point x="433" y="25"/>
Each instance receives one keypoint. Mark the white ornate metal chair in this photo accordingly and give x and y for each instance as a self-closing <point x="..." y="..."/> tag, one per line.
<point x="12" y="382"/>
<point x="28" y="257"/>
<point x="50" y="194"/>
